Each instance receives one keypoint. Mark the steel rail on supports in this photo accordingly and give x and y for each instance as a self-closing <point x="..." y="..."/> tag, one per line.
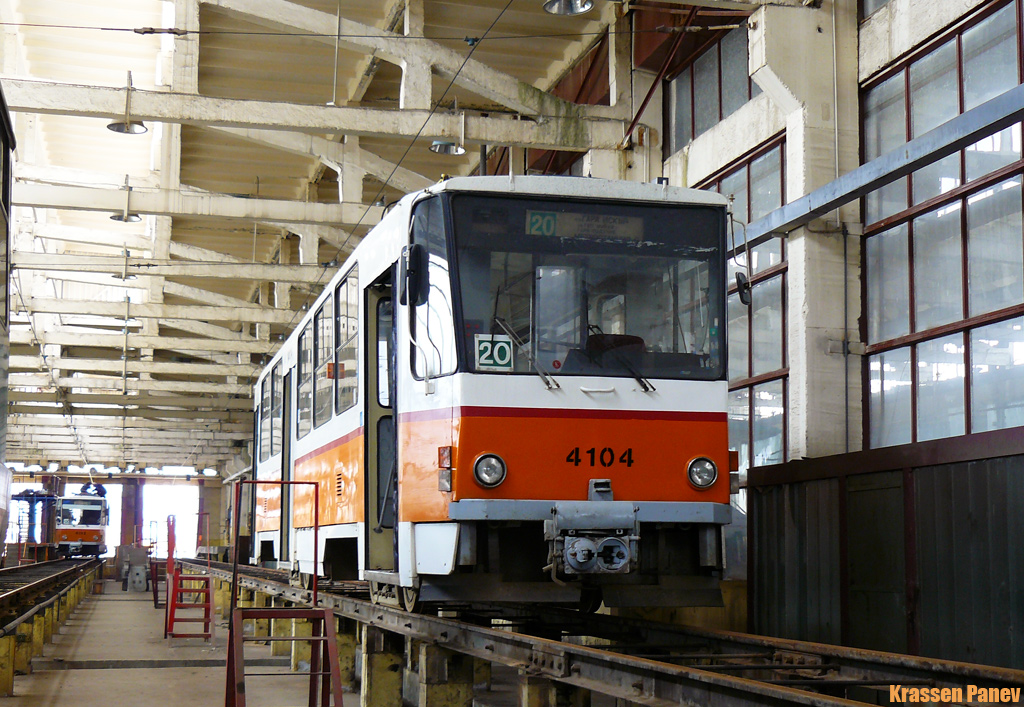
<point x="654" y="681"/>
<point x="966" y="129"/>
<point x="58" y="577"/>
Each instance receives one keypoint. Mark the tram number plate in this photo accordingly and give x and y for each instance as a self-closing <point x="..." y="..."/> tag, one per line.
<point x="494" y="352"/>
<point x="600" y="457"/>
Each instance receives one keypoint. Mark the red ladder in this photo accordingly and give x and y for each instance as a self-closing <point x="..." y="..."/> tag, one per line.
<point x="324" y="669"/>
<point x="180" y="586"/>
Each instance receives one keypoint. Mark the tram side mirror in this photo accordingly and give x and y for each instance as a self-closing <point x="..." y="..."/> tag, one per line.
<point x="743" y="288"/>
<point x="413" y="286"/>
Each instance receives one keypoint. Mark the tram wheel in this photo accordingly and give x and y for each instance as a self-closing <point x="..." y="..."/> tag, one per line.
<point x="411" y="599"/>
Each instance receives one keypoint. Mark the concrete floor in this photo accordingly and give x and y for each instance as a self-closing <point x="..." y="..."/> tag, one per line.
<point x="112" y="651"/>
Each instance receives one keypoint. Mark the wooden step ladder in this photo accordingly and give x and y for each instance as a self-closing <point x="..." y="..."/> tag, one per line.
<point x="181" y="586"/>
<point x="324" y="668"/>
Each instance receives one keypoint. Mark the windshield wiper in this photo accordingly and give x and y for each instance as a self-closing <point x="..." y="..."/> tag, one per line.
<point x="647" y="386"/>
<point x="548" y="379"/>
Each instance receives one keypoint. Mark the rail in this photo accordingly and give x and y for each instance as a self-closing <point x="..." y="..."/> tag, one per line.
<point x="643" y="661"/>
<point x="28" y="589"/>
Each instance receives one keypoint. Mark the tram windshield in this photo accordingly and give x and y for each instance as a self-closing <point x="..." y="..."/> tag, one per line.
<point x="81" y="511"/>
<point x="591" y="288"/>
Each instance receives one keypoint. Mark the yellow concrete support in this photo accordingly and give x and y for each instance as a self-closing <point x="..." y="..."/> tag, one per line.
<point x="222" y="597"/>
<point x="382" y="669"/>
<point x="482" y="673"/>
<point x="65" y="609"/>
<point x="7" y="644"/>
<point x="280" y="628"/>
<point x="23" y="649"/>
<point x="347" y="634"/>
<point x="445" y="677"/>
<point x="245" y="601"/>
<point x="301" y="650"/>
<point x="542" y="692"/>
<point x="535" y="692"/>
<point x="262" y="628"/>
<point x="48" y="623"/>
<point x="38" y="632"/>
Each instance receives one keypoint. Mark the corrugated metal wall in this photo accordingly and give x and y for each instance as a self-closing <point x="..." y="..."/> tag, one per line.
<point x="925" y="559"/>
<point x="795" y="545"/>
<point x="970" y="561"/>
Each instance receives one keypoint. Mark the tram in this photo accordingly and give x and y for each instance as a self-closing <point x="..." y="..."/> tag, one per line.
<point x="81" y="524"/>
<point x="513" y="390"/>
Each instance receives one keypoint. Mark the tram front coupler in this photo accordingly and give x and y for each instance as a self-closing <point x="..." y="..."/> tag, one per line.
<point x="593" y="537"/>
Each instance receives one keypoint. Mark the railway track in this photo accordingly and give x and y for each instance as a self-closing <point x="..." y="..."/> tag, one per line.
<point x="653" y="663"/>
<point x="22" y="588"/>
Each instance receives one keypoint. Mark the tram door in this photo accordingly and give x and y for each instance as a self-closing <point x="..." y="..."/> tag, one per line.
<point x="381" y="459"/>
<point x="286" y="468"/>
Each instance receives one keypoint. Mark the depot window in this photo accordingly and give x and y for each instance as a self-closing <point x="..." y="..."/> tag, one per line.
<point x="758" y="368"/>
<point x="709" y="89"/>
<point x="944" y="247"/>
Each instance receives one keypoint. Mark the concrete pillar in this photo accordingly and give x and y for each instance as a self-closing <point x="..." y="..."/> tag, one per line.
<point x="347" y="637"/>
<point x="301" y="650"/>
<point x="131" y="511"/>
<point x="245" y="601"/>
<point x="309" y="248"/>
<point x="280" y="628"/>
<point x="48" y="623"/>
<point x="350" y="179"/>
<point x="819" y="98"/>
<point x="516" y="159"/>
<point x="620" y="66"/>
<point x="444" y="677"/>
<point x="222" y="597"/>
<point x="381" y="678"/>
<point x="542" y="692"/>
<point x="415" y="90"/>
<point x="606" y="164"/>
<point x="282" y="299"/>
<point x="23" y="648"/>
<point x="482" y="673"/>
<point x="261" y="628"/>
<point x="211" y="502"/>
<point x="65" y="608"/>
<point x="535" y="692"/>
<point x="7" y="645"/>
<point x="38" y="633"/>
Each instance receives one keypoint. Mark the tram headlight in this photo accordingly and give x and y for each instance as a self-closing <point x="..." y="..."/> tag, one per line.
<point x="489" y="470"/>
<point x="702" y="472"/>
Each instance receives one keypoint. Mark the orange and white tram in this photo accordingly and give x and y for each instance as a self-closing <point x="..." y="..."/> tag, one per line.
<point x="514" y="389"/>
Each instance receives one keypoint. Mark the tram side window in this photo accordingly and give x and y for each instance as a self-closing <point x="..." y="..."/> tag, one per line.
<point x="276" y="411"/>
<point x="433" y="325"/>
<point x="305" y="372"/>
<point x="265" y="419"/>
<point x="323" y="323"/>
<point x="346" y="367"/>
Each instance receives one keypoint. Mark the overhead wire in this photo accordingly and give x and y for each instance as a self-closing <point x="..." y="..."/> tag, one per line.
<point x="339" y="36"/>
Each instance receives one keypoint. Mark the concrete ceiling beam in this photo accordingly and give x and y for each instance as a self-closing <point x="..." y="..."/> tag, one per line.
<point x="111" y="366"/>
<point x="397" y="49"/>
<point x="22" y="335"/>
<point x="185" y="203"/>
<point x="135" y="310"/>
<point x="271" y="272"/>
<point x="556" y="133"/>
